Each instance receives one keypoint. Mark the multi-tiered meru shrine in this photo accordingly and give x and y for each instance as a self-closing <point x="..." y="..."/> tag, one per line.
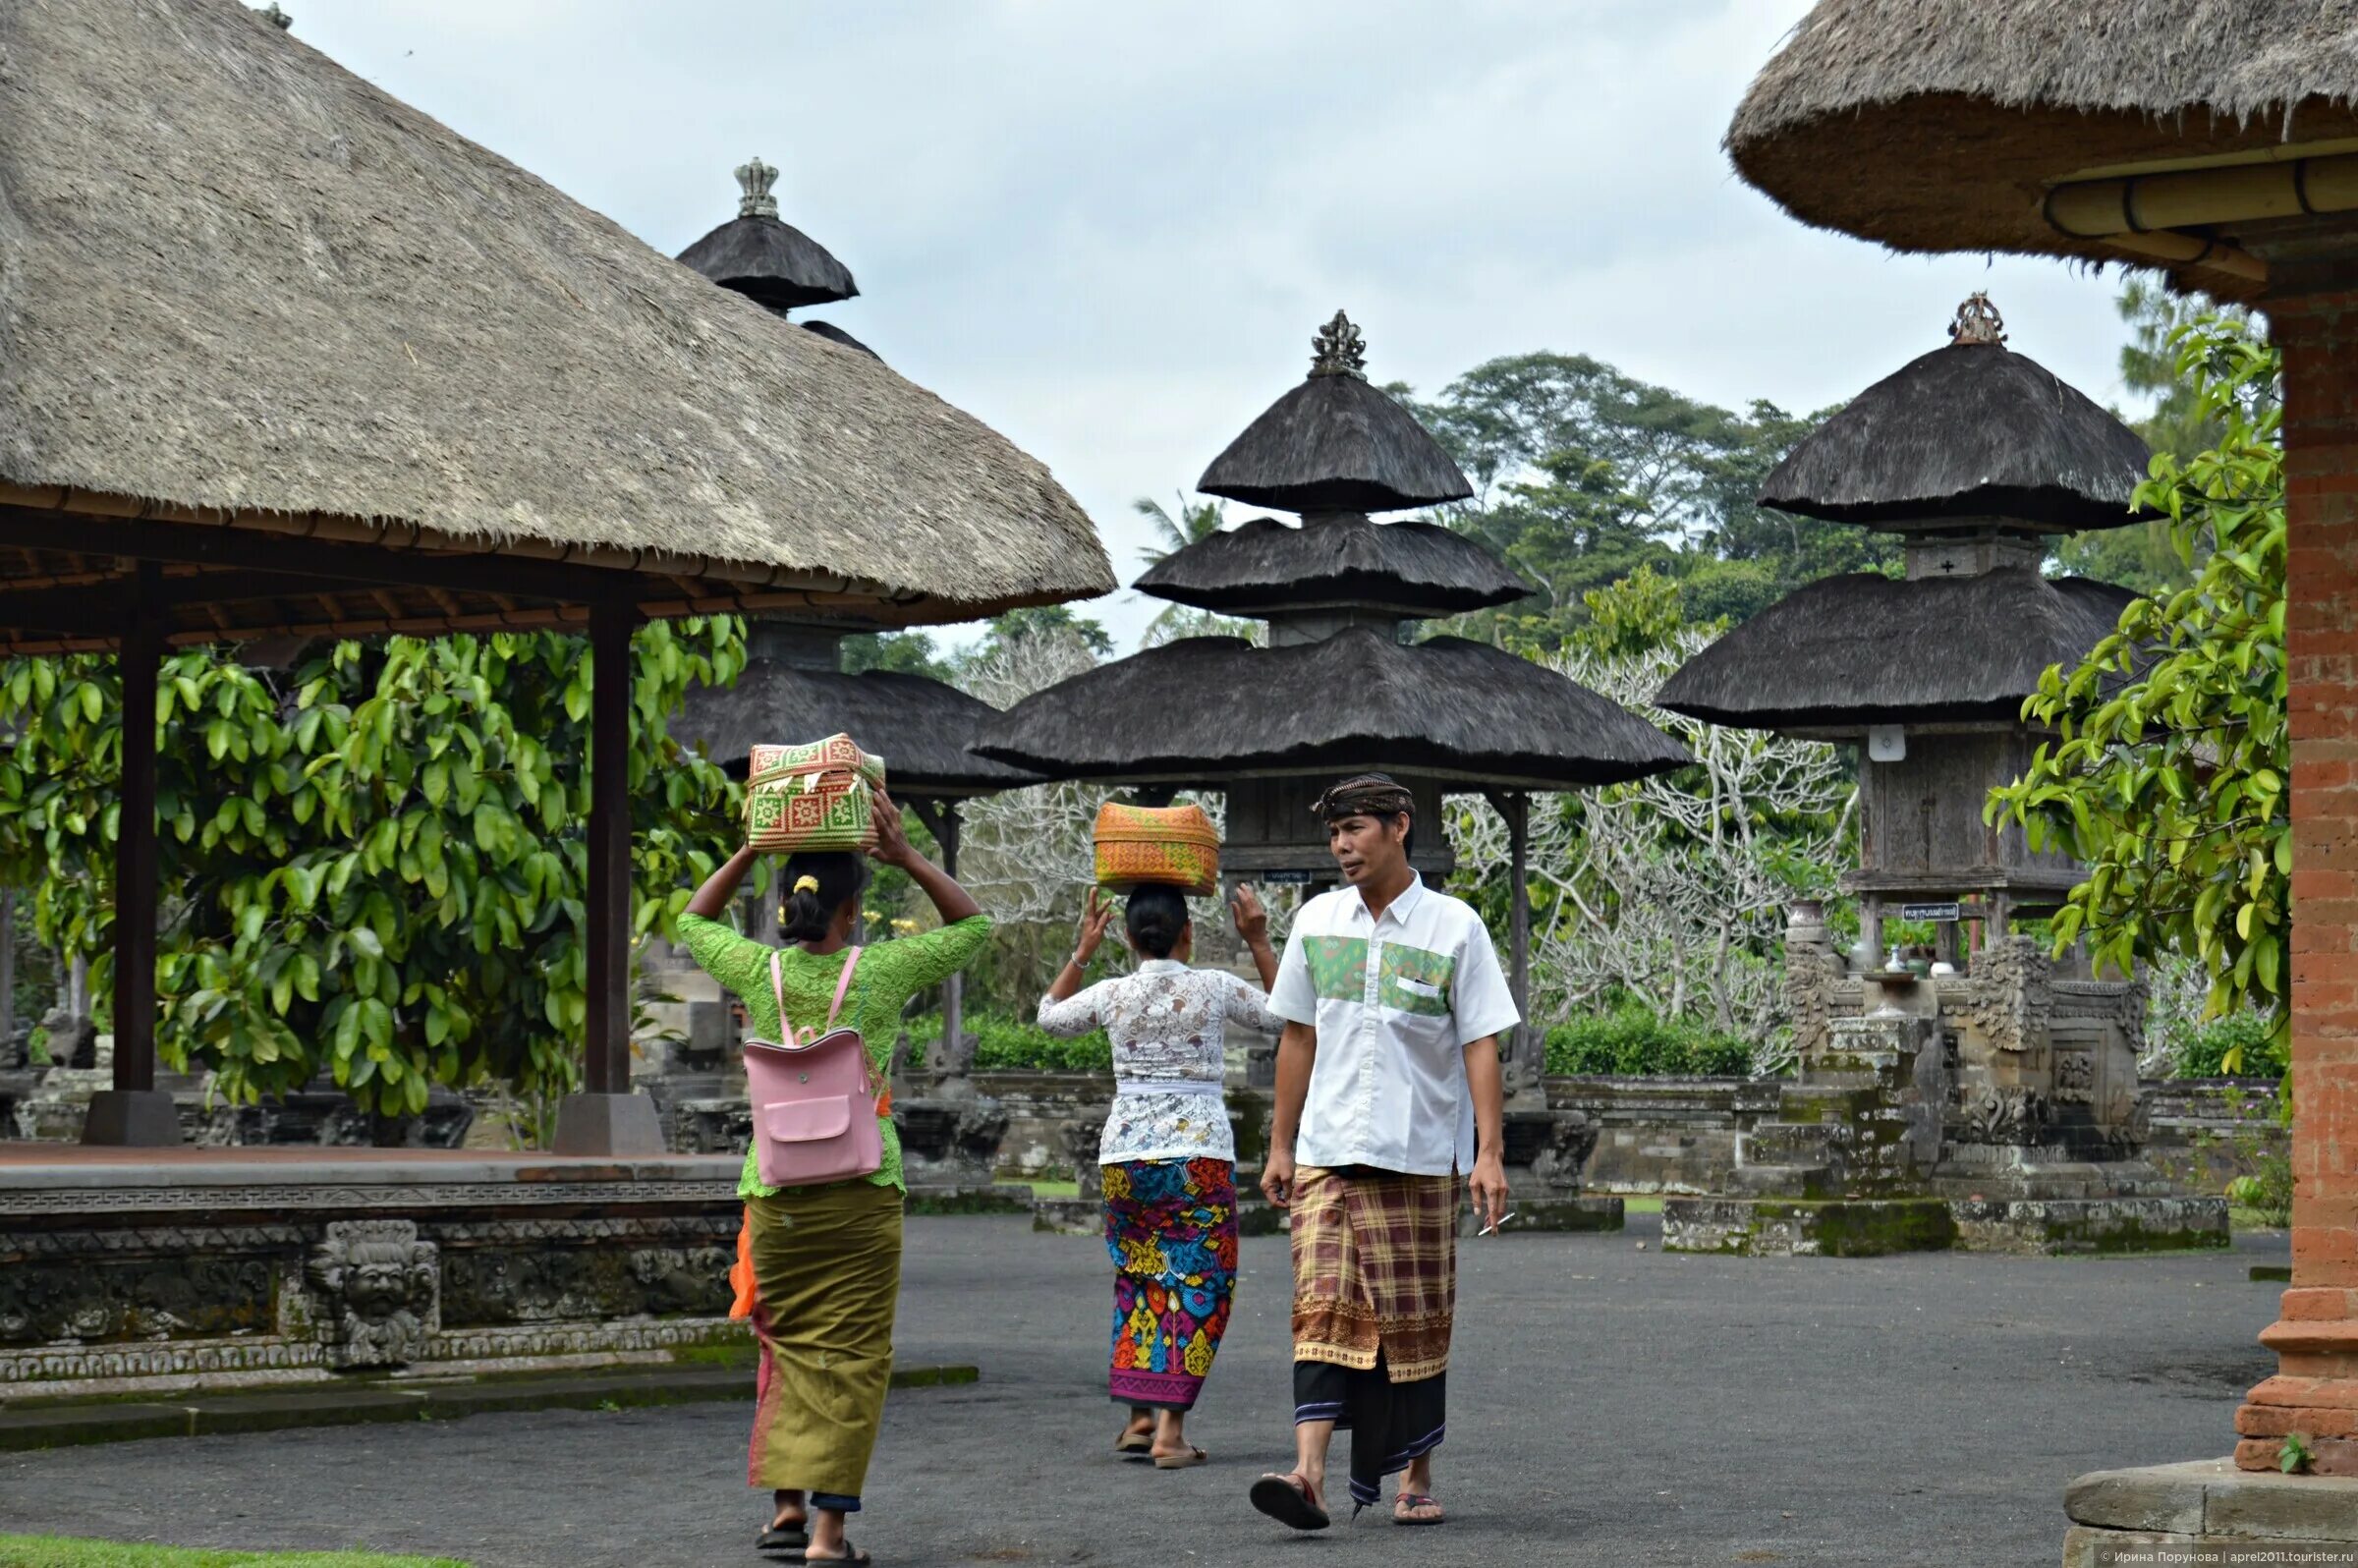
<point x="1338" y="683"/>
<point x="1994" y="1101"/>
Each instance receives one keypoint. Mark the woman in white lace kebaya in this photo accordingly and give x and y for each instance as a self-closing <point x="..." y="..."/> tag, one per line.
<point x="1169" y="1158"/>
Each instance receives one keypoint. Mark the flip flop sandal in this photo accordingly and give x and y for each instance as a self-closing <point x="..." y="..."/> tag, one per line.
<point x="851" y="1554"/>
<point x="1135" y="1444"/>
<point x="1286" y="1499"/>
<point x="1187" y="1461"/>
<point x="784" y="1538"/>
<point x="1414" y="1499"/>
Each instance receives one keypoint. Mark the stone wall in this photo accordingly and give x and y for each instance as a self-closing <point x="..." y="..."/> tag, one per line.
<point x="223" y="1273"/>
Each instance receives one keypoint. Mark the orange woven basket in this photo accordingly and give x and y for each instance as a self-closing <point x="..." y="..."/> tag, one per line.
<point x="1170" y="846"/>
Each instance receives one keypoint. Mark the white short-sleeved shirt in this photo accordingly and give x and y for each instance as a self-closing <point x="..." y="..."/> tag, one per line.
<point x="1395" y="1000"/>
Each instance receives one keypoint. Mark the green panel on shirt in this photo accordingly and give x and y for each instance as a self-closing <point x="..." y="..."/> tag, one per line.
<point x="1415" y="981"/>
<point x="1338" y="966"/>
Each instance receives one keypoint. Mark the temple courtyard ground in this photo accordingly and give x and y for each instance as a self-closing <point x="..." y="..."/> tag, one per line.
<point x="1609" y="1404"/>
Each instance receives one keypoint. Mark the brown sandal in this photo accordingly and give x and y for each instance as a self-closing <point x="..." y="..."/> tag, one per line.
<point x="1286" y="1499"/>
<point x="1186" y="1460"/>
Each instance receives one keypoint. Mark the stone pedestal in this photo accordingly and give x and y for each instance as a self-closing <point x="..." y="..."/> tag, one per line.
<point x="139" y="1118"/>
<point x="949" y="1155"/>
<point x="2209" y="1512"/>
<point x="625" y="1124"/>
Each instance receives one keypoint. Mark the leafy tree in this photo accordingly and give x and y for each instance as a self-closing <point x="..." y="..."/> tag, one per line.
<point x="902" y="653"/>
<point x="373" y="864"/>
<point x="1053" y="622"/>
<point x="2168" y="774"/>
<point x="1175" y="532"/>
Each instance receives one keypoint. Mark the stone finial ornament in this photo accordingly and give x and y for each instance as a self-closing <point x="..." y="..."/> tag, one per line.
<point x="275" y="16"/>
<point x="754" y="178"/>
<point x="1339" y="350"/>
<point x="1977" y="321"/>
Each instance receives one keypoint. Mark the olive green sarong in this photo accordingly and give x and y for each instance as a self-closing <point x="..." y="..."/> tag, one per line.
<point x="827" y="1279"/>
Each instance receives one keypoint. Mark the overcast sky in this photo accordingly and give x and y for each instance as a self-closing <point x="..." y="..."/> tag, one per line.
<point x="1109" y="230"/>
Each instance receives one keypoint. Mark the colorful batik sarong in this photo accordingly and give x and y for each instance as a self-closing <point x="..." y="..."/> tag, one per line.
<point x="1170" y="1225"/>
<point x="1375" y="1295"/>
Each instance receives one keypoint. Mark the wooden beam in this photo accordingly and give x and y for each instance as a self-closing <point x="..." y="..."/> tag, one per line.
<point x="192" y="544"/>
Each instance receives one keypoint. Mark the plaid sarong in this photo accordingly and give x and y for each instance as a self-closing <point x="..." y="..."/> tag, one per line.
<point x="1375" y="1270"/>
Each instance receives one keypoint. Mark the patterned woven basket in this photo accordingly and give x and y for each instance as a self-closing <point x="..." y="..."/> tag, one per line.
<point x="1175" y="846"/>
<point x="817" y="797"/>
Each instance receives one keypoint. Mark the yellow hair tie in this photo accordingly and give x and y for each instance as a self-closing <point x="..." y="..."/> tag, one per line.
<point x="806" y="884"/>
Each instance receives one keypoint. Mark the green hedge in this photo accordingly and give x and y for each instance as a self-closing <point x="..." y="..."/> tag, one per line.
<point x="1009" y="1045"/>
<point x="2202" y="1053"/>
<point x="1631" y="1041"/>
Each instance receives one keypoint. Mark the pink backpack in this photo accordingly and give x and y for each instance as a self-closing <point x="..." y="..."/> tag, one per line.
<point x="815" y="1097"/>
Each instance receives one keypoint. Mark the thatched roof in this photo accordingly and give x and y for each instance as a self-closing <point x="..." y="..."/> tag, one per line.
<point x="1336" y="444"/>
<point x="770" y="263"/>
<point x="239" y="284"/>
<point x="1972" y="430"/>
<point x="1860" y="649"/>
<point x="918" y="726"/>
<point x="1939" y="125"/>
<point x="1338" y="558"/>
<point x="1202" y="709"/>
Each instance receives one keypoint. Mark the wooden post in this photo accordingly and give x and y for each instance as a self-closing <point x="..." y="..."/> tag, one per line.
<point x="608" y="1118"/>
<point x="134" y="1111"/>
<point x="941" y="819"/>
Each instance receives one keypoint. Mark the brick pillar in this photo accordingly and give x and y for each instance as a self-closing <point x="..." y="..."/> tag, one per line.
<point x="2315" y="1339"/>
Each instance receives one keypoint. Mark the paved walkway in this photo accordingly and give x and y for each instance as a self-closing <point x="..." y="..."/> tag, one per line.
<point x="1609" y="1406"/>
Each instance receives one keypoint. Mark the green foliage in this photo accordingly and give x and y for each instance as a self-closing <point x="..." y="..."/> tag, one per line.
<point x="1015" y="1045"/>
<point x="902" y="653"/>
<point x="1043" y="621"/>
<point x="375" y="864"/>
<point x="2249" y="1040"/>
<point x="1635" y="615"/>
<point x="1631" y="1041"/>
<point x="2169" y="773"/>
<point x="2267" y="1191"/>
<point x="2295" y="1455"/>
<point x="1585" y="476"/>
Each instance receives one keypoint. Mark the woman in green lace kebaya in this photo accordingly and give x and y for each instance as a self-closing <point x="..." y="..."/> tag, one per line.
<point x="825" y="1260"/>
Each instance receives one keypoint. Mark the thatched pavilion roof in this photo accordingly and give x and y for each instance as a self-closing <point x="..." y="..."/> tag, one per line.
<point x="1971" y="432"/>
<point x="835" y="334"/>
<point x="1207" y="709"/>
<point x="1336" y="444"/>
<point x="1940" y="125"/>
<point x="359" y="327"/>
<point x="918" y="726"/>
<point x="1337" y="558"/>
<point x="1859" y="650"/>
<point x="769" y="261"/>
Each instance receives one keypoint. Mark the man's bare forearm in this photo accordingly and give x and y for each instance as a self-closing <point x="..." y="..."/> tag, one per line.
<point x="1297" y="1052"/>
<point x="1482" y="1081"/>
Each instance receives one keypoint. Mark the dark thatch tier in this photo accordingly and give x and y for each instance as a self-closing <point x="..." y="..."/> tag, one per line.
<point x="1446" y="706"/>
<point x="1337" y="558"/>
<point x="1336" y="444"/>
<point x="1970" y="431"/>
<point x="1860" y="649"/>
<point x="771" y="263"/>
<point x="835" y="334"/>
<point x="918" y="726"/>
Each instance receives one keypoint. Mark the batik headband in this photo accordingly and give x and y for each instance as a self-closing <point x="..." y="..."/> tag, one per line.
<point x="1366" y="795"/>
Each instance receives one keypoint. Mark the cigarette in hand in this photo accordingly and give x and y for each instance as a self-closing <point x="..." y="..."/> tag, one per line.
<point x="1492" y="1227"/>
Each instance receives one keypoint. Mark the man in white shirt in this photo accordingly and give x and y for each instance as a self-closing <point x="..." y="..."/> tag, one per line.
<point x="1387" y="1095"/>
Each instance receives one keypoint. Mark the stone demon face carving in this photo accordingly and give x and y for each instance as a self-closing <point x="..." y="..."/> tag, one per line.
<point x="380" y="1286"/>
